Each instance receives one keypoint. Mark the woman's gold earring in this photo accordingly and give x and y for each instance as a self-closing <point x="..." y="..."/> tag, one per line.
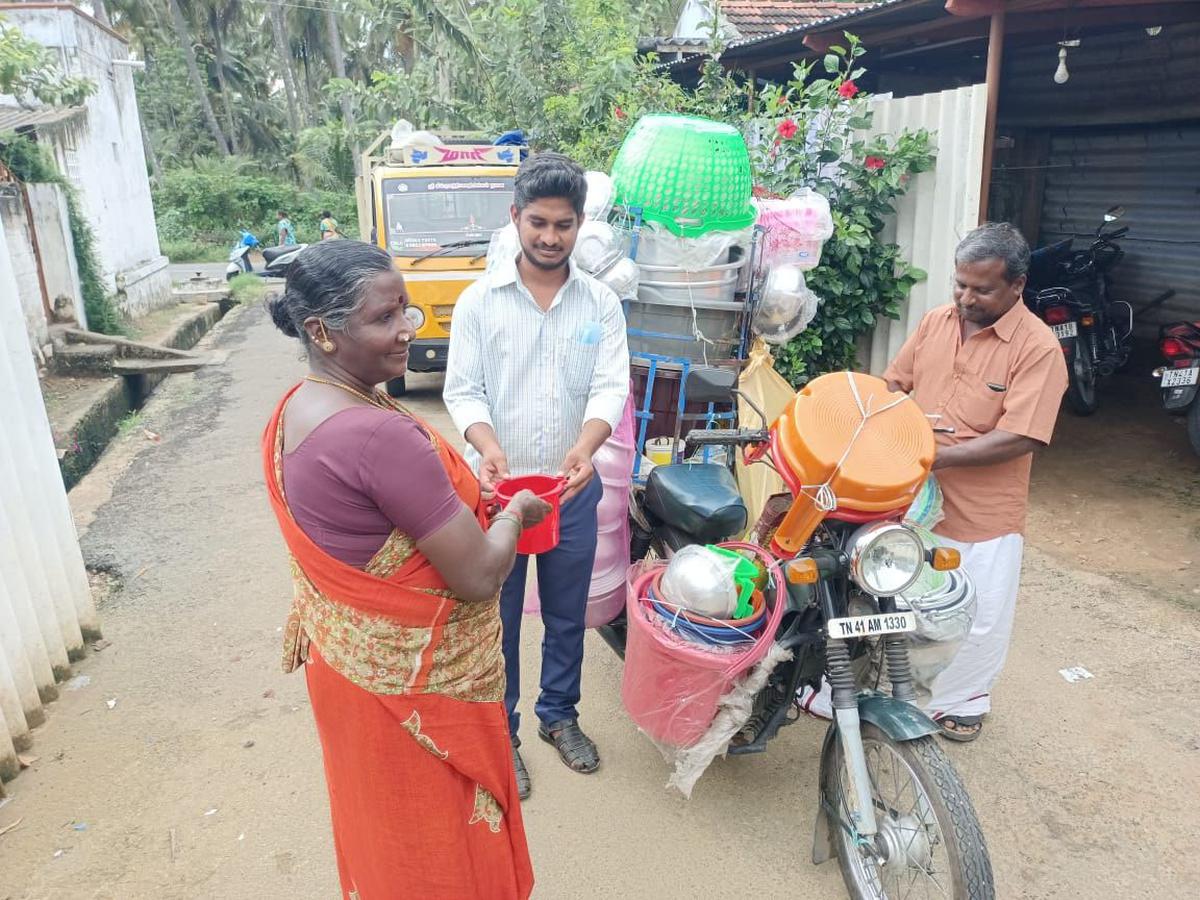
<point x="326" y="343"/>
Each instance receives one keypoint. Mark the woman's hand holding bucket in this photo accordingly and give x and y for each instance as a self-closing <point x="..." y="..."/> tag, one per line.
<point x="530" y="508"/>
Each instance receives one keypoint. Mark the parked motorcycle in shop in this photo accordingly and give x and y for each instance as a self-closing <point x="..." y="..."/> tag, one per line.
<point x="1070" y="290"/>
<point x="892" y="809"/>
<point x="276" y="260"/>
<point x="1180" y="345"/>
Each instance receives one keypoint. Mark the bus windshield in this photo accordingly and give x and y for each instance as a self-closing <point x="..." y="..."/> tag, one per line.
<point x="424" y="214"/>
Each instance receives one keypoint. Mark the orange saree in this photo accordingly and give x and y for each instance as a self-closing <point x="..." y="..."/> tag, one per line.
<point x="407" y="688"/>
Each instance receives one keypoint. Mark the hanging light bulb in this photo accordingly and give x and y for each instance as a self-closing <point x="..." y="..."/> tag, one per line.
<point x="1061" y="74"/>
<point x="1154" y="30"/>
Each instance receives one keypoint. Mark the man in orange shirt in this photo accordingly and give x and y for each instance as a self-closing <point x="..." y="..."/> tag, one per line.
<point x="991" y="375"/>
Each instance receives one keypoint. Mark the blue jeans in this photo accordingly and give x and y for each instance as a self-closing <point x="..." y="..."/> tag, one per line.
<point x="564" y="577"/>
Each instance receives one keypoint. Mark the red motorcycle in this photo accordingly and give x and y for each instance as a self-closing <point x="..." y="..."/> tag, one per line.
<point x="1178" y="379"/>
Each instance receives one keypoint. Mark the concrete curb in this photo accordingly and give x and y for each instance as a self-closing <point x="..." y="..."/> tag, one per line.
<point x="94" y="427"/>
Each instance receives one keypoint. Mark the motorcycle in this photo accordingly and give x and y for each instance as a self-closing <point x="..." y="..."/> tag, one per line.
<point x="1070" y="291"/>
<point x="892" y="809"/>
<point x="1180" y="345"/>
<point x="276" y="260"/>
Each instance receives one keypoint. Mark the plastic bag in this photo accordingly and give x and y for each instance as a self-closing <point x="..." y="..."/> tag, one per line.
<point x="659" y="247"/>
<point x="403" y="135"/>
<point x="503" y="247"/>
<point x="699" y="580"/>
<point x="785" y="305"/>
<point x="692" y="699"/>
<point x="599" y="201"/>
<point x="598" y="248"/>
<point x="761" y="384"/>
<point x="796" y="228"/>
<point x="926" y="509"/>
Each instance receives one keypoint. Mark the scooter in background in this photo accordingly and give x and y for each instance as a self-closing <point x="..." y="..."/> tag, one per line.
<point x="1179" y="379"/>
<point x="276" y="260"/>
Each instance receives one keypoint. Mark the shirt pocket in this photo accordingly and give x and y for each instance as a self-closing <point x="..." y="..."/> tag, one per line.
<point x="577" y="356"/>
<point x="980" y="406"/>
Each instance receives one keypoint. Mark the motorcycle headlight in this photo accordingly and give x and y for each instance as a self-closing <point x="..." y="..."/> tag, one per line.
<point x="415" y="315"/>
<point x="885" y="558"/>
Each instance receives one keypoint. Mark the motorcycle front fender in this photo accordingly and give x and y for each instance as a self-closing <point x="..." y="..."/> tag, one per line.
<point x="898" y="720"/>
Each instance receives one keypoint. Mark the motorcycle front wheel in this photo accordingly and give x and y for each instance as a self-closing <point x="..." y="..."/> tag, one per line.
<point x="929" y="843"/>
<point x="1081" y="379"/>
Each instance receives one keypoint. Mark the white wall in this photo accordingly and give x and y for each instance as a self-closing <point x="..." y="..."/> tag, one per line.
<point x="46" y="609"/>
<point x="695" y="21"/>
<point x="940" y="207"/>
<point x="104" y="157"/>
<point x="23" y="265"/>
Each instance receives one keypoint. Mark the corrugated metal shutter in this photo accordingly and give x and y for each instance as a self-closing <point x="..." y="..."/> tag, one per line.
<point x="1155" y="174"/>
<point x="939" y="208"/>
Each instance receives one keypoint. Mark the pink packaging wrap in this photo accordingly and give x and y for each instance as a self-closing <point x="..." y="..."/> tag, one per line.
<point x="671" y="687"/>
<point x="614" y="468"/>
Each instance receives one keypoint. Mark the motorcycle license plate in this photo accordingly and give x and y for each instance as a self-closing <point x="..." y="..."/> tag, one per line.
<point x="1065" y="330"/>
<point x="1180" y="377"/>
<point x="870" y="626"/>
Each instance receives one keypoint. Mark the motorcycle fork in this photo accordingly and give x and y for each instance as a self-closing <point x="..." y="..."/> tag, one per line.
<point x="845" y="713"/>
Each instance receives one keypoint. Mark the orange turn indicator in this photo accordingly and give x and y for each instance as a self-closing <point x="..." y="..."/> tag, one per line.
<point x="802" y="571"/>
<point x="945" y="559"/>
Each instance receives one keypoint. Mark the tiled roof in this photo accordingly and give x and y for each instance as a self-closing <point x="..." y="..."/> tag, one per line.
<point x="759" y="18"/>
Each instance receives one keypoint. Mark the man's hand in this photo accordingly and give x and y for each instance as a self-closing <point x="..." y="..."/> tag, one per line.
<point x="994" y="447"/>
<point x="578" y="470"/>
<point x="492" y="470"/>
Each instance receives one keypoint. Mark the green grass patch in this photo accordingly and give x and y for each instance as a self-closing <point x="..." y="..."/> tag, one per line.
<point x="193" y="251"/>
<point x="248" y="289"/>
<point x="129" y="424"/>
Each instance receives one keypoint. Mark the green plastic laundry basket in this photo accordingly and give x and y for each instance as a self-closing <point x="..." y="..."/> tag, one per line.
<point x="687" y="173"/>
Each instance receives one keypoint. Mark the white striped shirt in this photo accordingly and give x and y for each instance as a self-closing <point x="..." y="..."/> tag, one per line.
<point x="536" y="376"/>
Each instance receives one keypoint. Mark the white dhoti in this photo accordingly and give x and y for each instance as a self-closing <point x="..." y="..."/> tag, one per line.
<point x="964" y="688"/>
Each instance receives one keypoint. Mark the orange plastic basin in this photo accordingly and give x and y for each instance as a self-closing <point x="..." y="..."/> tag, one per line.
<point x="883" y="469"/>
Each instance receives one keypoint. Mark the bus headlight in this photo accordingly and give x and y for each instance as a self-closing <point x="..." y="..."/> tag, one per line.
<point x="885" y="558"/>
<point x="415" y="315"/>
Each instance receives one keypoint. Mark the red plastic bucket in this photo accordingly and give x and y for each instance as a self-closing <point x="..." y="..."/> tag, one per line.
<point x="544" y="536"/>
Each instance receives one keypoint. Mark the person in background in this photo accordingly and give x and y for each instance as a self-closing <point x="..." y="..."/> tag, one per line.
<point x="991" y="373"/>
<point x="537" y="378"/>
<point x="395" y="617"/>
<point x="285" y="230"/>
<point x="329" y="227"/>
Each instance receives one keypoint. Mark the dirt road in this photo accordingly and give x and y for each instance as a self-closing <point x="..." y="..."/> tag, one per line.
<point x="204" y="780"/>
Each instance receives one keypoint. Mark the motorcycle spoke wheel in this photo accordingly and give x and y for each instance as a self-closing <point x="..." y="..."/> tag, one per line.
<point x="1081" y="385"/>
<point x="929" y="843"/>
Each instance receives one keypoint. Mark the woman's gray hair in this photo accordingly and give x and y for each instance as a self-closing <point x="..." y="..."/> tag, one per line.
<point x="327" y="281"/>
<point x="996" y="240"/>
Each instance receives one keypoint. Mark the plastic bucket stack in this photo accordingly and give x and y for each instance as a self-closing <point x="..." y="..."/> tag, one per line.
<point x="671" y="686"/>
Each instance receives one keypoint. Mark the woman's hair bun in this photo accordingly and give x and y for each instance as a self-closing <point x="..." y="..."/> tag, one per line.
<point x="280" y="309"/>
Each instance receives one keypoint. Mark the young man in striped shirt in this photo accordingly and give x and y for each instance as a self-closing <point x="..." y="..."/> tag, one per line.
<point x="537" y="378"/>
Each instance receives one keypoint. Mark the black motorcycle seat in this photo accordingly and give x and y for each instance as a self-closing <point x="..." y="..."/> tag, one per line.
<point x="273" y="253"/>
<point x="700" y="499"/>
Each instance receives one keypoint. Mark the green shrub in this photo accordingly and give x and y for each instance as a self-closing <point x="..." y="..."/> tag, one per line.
<point x="187" y="251"/>
<point x="208" y="206"/>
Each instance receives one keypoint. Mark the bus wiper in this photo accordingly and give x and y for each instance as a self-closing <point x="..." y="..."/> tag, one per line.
<point x="453" y="245"/>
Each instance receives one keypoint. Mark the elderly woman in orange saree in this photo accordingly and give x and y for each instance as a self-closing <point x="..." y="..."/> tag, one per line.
<point x="395" y="620"/>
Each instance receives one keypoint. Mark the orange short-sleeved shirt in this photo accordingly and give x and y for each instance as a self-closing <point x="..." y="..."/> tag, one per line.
<point x="1010" y="375"/>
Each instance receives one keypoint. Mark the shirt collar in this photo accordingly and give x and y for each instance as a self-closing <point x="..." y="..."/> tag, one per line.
<point x="1006" y="326"/>
<point x="506" y="272"/>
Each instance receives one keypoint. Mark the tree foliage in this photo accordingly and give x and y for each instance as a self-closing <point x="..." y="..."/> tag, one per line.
<point x="30" y="73"/>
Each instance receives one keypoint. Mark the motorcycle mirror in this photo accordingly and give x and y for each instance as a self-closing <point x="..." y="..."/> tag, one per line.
<point x="1114" y="213"/>
<point x="711" y="384"/>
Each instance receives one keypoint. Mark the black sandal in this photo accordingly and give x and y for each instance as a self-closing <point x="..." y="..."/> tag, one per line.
<point x="575" y="748"/>
<point x="963" y="729"/>
<point x="524" y="784"/>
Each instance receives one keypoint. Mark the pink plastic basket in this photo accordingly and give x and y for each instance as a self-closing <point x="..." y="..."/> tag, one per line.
<point x="671" y="687"/>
